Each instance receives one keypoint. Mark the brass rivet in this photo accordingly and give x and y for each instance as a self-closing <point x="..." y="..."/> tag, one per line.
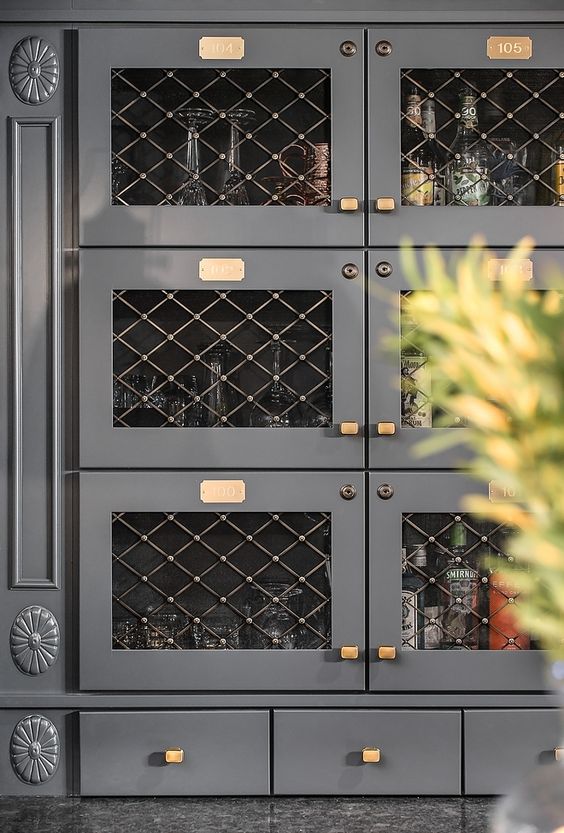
<point x="384" y="48"/>
<point x="348" y="492"/>
<point x="349" y="271"/>
<point x="348" y="48"/>
<point x="384" y="269"/>
<point x="385" y="491"/>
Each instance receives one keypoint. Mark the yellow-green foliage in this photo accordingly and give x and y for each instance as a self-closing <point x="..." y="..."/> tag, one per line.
<point x="496" y="355"/>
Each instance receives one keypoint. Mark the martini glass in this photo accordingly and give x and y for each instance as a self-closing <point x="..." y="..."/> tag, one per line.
<point x="234" y="189"/>
<point x="193" y="192"/>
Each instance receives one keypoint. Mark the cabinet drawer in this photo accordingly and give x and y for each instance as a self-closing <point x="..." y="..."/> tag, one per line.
<point x="322" y="752"/>
<point x="501" y="747"/>
<point x="225" y="753"/>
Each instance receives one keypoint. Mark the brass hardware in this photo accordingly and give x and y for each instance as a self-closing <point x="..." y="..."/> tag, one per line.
<point x="385" y="491"/>
<point x="498" y="493"/>
<point x="222" y="48"/>
<point x="348" y="492"/>
<point x="386" y="428"/>
<point x="221" y="269"/>
<point x="222" y="491"/>
<point x="385" y="204"/>
<point x="349" y="271"/>
<point x="386" y="652"/>
<point x="349" y="652"/>
<point x="348" y="48"/>
<point x="499" y="266"/>
<point x="383" y="48"/>
<point x="518" y="48"/>
<point x="559" y="753"/>
<point x="347" y="428"/>
<point x="384" y="269"/>
<point x="174" y="756"/>
<point x="370" y="755"/>
<point x="348" y="204"/>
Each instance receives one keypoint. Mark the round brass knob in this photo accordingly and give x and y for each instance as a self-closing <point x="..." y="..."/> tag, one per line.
<point x="384" y="48"/>
<point x="384" y="491"/>
<point x="349" y="271"/>
<point x="348" y="48"/>
<point x="348" y="492"/>
<point x="384" y="269"/>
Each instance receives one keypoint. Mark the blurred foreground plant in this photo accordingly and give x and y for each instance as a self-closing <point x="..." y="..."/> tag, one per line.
<point x="495" y="352"/>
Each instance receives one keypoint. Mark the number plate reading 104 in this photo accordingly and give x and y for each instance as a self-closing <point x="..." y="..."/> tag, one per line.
<point x="503" y="48"/>
<point x="221" y="48"/>
<point x="222" y="491"/>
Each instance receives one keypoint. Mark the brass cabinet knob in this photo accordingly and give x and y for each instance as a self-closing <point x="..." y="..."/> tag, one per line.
<point x="370" y="755"/>
<point x="385" y="204"/>
<point x="348" y="428"/>
<point x="386" y="429"/>
<point x="386" y="652"/>
<point x="349" y="652"/>
<point x="174" y="756"/>
<point x="559" y="753"/>
<point x="349" y="204"/>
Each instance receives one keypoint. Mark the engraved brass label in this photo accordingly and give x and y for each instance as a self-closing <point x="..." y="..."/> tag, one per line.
<point x="222" y="491"/>
<point x="222" y="269"/>
<point x="222" y="49"/>
<point x="499" y="266"/>
<point x="515" y="48"/>
<point x="498" y="493"/>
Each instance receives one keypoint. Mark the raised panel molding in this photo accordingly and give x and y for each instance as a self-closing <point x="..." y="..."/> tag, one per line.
<point x="36" y="268"/>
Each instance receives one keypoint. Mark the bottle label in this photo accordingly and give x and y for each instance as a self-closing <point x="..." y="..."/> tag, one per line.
<point x="417" y="188"/>
<point x="469" y="188"/>
<point x="432" y="630"/>
<point x="559" y="181"/>
<point x="461" y="584"/>
<point x="408" y="620"/>
<point x="416" y="409"/>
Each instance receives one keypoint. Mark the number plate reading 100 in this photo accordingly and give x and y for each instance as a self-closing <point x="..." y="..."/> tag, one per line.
<point x="222" y="491"/>
<point x="518" y="49"/>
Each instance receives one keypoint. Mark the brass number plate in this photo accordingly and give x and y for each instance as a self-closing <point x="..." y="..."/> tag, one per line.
<point x="222" y="49"/>
<point x="222" y="269"/>
<point x="498" y="493"/>
<point x="499" y="266"/>
<point x="516" y="49"/>
<point x="222" y="491"/>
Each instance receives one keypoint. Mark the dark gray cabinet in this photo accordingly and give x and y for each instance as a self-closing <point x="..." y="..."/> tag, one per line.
<point x="267" y="123"/>
<point x="440" y="615"/>
<point x="518" y="104"/>
<point x="180" y="370"/>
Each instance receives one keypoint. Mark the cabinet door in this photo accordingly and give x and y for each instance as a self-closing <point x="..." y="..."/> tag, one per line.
<point x="177" y="123"/>
<point x="189" y="582"/>
<point x="282" y="348"/>
<point x="401" y="412"/>
<point x="498" y="148"/>
<point x="437" y="603"/>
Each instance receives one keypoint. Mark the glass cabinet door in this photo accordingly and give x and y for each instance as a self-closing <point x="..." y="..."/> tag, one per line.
<point x="181" y="367"/>
<point x="436" y="596"/>
<point x="467" y="118"/>
<point x="401" y="410"/>
<point x="178" y="123"/>
<point x="252" y="581"/>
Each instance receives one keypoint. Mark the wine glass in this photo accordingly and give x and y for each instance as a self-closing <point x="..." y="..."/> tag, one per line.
<point x="234" y="189"/>
<point x="193" y="192"/>
<point x="273" y="408"/>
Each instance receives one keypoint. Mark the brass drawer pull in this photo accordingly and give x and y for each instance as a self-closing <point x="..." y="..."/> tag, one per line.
<point x="349" y="204"/>
<point x="349" y="652"/>
<point x="559" y="753"/>
<point x="174" y="756"/>
<point x="371" y="755"/>
<point x="348" y="428"/>
<point x="386" y="429"/>
<point x="386" y="652"/>
<point x="385" y="204"/>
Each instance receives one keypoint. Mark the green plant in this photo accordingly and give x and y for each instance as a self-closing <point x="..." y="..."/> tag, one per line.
<point x="496" y="356"/>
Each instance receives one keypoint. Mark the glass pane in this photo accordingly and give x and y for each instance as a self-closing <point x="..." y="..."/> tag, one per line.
<point x="210" y="358"/>
<point x="416" y="384"/>
<point x="453" y="597"/>
<point x="221" y="137"/>
<point x="482" y="137"/>
<point x="203" y="580"/>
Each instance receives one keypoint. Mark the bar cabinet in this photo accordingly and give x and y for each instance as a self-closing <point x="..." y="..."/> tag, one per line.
<point x="225" y="570"/>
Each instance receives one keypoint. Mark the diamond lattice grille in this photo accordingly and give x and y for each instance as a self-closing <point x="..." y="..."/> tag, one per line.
<point x="246" y="136"/>
<point x="230" y="581"/>
<point x="199" y="358"/>
<point x="520" y="128"/>
<point x="453" y="597"/>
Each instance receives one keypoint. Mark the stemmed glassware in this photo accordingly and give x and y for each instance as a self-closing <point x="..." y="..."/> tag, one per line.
<point x="193" y="192"/>
<point x="234" y="189"/>
<point x="273" y="409"/>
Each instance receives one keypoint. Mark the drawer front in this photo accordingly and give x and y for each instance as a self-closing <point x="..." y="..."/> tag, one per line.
<point x="225" y="753"/>
<point x="322" y="752"/>
<point x="501" y="747"/>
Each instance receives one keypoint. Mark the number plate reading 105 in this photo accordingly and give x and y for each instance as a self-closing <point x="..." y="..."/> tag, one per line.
<point x="222" y="491"/>
<point x="517" y="49"/>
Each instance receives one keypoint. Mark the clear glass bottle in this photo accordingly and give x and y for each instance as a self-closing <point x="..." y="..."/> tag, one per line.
<point x="415" y="382"/>
<point x="429" y="127"/>
<point x="418" y="164"/>
<point x="460" y="624"/>
<point x="468" y="170"/>
<point x="413" y="598"/>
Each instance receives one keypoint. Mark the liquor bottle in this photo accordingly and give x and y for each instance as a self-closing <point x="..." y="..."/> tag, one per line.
<point x="418" y="164"/>
<point x="462" y="582"/>
<point x="415" y="382"/>
<point x="504" y="631"/>
<point x="558" y="174"/>
<point x="429" y="127"/>
<point x="413" y="598"/>
<point x="468" y="169"/>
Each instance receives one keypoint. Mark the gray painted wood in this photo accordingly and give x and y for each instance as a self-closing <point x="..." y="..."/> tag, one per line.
<point x="61" y="782"/>
<point x="320" y="753"/>
<point x="225" y="753"/>
<point x="502" y="747"/>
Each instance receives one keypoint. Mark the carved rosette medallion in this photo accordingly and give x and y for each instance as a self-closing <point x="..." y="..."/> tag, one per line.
<point x="35" y="749"/>
<point x="34" y="640"/>
<point x="34" y="70"/>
